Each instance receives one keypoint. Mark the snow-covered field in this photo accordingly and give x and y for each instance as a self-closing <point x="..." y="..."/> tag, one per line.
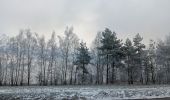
<point x="83" y="92"/>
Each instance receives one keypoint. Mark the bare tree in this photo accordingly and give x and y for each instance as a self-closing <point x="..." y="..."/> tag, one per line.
<point x="30" y="47"/>
<point x="97" y="58"/>
<point x="52" y="54"/>
<point x="42" y="59"/>
<point x="67" y="45"/>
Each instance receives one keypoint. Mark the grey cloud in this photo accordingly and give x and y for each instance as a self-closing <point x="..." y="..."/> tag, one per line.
<point x="151" y="18"/>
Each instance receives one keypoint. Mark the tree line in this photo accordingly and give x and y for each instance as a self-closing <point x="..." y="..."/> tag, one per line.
<point x="30" y="59"/>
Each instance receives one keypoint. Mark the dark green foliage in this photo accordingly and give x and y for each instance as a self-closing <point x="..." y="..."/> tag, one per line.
<point x="82" y="59"/>
<point x="83" y="56"/>
<point x="129" y="52"/>
<point x="138" y="45"/>
<point x="112" y="50"/>
<point x="138" y="58"/>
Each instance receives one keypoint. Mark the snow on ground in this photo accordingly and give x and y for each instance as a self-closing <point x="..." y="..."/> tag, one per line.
<point x="83" y="92"/>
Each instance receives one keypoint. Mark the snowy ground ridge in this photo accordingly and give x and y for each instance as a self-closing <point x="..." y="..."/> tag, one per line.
<point x="84" y="92"/>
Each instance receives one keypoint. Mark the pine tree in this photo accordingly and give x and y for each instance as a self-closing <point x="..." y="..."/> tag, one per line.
<point x="82" y="59"/>
<point x="111" y="50"/>
<point x="129" y="59"/>
<point x="106" y="49"/>
<point x="138" y="55"/>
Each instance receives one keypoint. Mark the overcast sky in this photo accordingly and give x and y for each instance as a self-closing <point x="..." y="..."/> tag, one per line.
<point x="150" y="18"/>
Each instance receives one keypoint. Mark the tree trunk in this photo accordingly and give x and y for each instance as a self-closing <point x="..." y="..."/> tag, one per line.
<point x="107" y="70"/>
<point x="71" y="78"/>
<point x="113" y="72"/>
<point x="83" y="78"/>
<point x="75" y="77"/>
<point x="44" y="64"/>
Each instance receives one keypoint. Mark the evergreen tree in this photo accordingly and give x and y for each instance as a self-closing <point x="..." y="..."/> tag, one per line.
<point x="82" y="59"/>
<point x="138" y="55"/>
<point x="106" y="48"/>
<point x="129" y="59"/>
<point x="111" y="50"/>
